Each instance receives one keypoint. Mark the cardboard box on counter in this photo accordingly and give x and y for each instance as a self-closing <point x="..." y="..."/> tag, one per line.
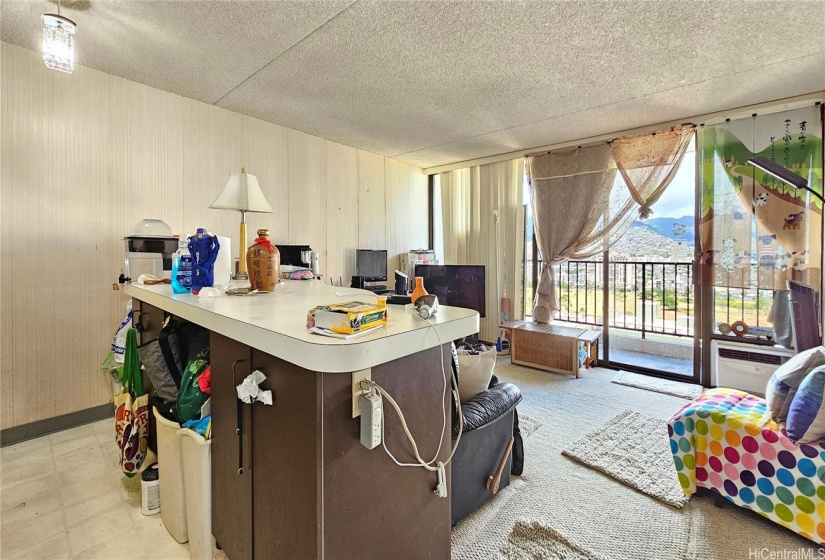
<point x="348" y="317"/>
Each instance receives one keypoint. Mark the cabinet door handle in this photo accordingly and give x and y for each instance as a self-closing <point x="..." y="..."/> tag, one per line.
<point x="239" y="426"/>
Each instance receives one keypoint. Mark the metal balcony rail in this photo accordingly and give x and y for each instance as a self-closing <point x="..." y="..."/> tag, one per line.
<point x="648" y="297"/>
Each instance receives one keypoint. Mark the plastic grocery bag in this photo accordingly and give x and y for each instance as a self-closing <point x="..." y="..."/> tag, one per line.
<point x="132" y="411"/>
<point x="119" y="341"/>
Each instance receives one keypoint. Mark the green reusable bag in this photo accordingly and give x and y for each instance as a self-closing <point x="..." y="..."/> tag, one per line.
<point x="132" y="412"/>
<point x="132" y="376"/>
<point x="190" y="396"/>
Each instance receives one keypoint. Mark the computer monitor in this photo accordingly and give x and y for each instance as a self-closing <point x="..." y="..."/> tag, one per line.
<point x="291" y="254"/>
<point x="371" y="264"/>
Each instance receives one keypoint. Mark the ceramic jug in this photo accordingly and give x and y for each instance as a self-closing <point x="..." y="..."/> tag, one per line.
<point x="263" y="262"/>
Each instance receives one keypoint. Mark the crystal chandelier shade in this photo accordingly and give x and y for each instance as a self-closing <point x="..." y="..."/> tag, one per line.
<point x="58" y="42"/>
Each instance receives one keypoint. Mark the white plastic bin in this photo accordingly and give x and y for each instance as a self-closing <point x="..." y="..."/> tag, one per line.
<point x="197" y="479"/>
<point x="170" y="465"/>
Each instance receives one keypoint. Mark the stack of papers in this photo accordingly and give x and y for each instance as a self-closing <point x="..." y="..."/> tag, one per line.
<point x="333" y="334"/>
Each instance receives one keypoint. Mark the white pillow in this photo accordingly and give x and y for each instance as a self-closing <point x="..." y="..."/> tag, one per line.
<point x="475" y="372"/>
<point x="785" y="381"/>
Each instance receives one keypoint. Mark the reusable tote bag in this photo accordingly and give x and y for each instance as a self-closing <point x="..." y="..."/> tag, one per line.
<point x="476" y="364"/>
<point x="132" y="412"/>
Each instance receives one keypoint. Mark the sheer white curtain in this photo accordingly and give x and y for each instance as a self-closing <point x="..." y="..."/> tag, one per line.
<point x="649" y="162"/>
<point x="468" y="198"/>
<point x="581" y="206"/>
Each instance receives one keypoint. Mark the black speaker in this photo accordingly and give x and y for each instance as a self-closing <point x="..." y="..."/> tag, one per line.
<point x="357" y="282"/>
<point x="400" y="284"/>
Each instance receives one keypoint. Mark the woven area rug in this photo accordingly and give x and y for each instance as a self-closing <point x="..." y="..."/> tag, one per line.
<point x="531" y="540"/>
<point x="633" y="449"/>
<point x="666" y="386"/>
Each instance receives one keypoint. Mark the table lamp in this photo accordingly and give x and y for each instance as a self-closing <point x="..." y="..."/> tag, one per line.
<point x="242" y="192"/>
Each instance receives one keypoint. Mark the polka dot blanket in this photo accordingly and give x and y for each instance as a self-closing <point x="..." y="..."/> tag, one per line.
<point x="725" y="440"/>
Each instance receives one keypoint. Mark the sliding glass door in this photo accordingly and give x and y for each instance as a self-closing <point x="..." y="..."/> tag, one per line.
<point x="641" y="293"/>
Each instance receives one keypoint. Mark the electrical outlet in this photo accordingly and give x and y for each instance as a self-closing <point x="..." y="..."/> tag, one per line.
<point x="357" y="377"/>
<point x="370" y="419"/>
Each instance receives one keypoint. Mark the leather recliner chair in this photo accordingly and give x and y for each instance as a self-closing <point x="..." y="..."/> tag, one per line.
<point x="490" y="443"/>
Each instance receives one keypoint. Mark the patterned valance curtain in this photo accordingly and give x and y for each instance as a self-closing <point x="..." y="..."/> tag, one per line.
<point x="580" y="208"/>
<point x="649" y="162"/>
<point x="755" y="230"/>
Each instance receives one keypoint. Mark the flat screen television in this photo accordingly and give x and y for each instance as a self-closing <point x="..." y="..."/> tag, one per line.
<point x="371" y="264"/>
<point x="457" y="285"/>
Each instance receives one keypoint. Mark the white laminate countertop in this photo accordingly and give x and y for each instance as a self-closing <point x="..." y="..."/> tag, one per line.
<point x="275" y="323"/>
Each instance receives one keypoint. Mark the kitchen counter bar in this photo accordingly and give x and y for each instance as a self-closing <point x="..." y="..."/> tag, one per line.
<point x="275" y="323"/>
<point x="292" y="480"/>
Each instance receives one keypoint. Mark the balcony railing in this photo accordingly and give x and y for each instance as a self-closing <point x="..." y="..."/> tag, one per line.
<point x="648" y="297"/>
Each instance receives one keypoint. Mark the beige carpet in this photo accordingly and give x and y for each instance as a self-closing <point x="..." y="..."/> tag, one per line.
<point x="666" y="386"/>
<point x="596" y="511"/>
<point x="527" y="425"/>
<point x="534" y="541"/>
<point x="633" y="448"/>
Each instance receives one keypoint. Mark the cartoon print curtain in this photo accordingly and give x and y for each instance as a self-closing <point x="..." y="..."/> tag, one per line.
<point x="755" y="230"/>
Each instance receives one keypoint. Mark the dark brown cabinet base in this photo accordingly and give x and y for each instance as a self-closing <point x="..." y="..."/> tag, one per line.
<point x="231" y="488"/>
<point x="293" y="481"/>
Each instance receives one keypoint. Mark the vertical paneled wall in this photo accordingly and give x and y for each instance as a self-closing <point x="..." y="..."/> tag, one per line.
<point x="342" y="211"/>
<point x="372" y="229"/>
<point x="86" y="156"/>
<point x="405" y="234"/>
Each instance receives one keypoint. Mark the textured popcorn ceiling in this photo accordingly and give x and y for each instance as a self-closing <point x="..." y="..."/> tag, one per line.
<point x="432" y="83"/>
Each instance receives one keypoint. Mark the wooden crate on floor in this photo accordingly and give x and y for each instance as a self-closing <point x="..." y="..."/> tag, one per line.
<point x="550" y="347"/>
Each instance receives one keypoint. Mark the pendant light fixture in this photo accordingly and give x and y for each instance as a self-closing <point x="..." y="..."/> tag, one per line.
<point x="58" y="41"/>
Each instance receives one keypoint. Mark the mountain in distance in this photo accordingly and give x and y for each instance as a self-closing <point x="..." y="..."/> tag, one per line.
<point x="665" y="226"/>
<point x="654" y="239"/>
<point x="643" y="243"/>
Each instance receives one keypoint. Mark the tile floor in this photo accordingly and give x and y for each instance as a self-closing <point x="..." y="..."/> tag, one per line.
<point x="63" y="496"/>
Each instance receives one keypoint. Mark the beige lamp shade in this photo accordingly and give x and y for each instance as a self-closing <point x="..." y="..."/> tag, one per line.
<point x="242" y="192"/>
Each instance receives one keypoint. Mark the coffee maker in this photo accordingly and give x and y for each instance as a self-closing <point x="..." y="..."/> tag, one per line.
<point x="149" y="250"/>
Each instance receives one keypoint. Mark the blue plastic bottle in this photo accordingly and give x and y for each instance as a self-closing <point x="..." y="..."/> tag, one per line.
<point x="182" y="270"/>
<point x="204" y="250"/>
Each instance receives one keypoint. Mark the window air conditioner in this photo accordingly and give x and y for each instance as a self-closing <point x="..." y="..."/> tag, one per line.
<point x="743" y="366"/>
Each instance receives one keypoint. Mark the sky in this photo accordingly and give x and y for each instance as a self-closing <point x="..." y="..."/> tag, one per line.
<point x="679" y="198"/>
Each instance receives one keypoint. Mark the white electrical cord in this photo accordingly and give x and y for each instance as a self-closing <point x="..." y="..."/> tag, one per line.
<point x="443" y="420"/>
<point x="421" y="463"/>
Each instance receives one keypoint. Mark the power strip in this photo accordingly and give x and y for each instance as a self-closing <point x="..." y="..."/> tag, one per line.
<point x="370" y="419"/>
